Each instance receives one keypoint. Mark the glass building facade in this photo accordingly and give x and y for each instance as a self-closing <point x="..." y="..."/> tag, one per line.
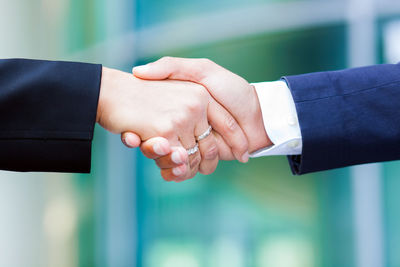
<point x="255" y="214"/>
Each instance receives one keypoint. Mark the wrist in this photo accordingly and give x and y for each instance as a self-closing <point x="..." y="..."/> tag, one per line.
<point x="106" y="85"/>
<point x="104" y="77"/>
<point x="259" y="137"/>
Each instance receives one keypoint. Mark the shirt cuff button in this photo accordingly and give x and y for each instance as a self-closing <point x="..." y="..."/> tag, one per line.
<point x="291" y="121"/>
<point x="293" y="144"/>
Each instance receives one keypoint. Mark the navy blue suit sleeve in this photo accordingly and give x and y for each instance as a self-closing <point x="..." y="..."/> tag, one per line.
<point x="347" y="117"/>
<point x="47" y="114"/>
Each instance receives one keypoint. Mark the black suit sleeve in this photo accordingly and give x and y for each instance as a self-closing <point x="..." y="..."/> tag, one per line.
<point x="47" y="114"/>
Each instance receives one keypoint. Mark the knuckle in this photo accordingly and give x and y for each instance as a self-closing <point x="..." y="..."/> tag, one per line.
<point x="211" y="153"/>
<point x="199" y="69"/>
<point x="195" y="161"/>
<point x="241" y="148"/>
<point x="197" y="73"/>
<point x="166" y="59"/>
<point x="205" y="66"/>
<point x="195" y="106"/>
<point x="198" y="100"/>
<point x="180" y="121"/>
<point x="230" y="124"/>
<point x="167" y="130"/>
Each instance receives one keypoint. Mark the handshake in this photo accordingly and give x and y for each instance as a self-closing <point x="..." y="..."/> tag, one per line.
<point x="186" y="114"/>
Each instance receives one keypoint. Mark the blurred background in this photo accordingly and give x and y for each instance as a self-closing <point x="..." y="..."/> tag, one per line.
<point x="257" y="214"/>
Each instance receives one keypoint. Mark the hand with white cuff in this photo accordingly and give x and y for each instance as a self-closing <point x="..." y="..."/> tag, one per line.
<point x="228" y="89"/>
<point x="315" y="118"/>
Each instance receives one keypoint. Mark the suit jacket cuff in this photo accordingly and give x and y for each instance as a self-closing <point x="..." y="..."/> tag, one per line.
<point x="47" y="114"/>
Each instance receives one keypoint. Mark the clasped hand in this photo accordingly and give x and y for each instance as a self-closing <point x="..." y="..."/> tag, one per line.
<point x="167" y="105"/>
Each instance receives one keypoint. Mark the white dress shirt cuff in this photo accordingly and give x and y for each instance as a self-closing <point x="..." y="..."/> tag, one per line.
<point x="280" y="119"/>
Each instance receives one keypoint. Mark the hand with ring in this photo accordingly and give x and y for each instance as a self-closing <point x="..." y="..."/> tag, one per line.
<point x="178" y="163"/>
<point x="174" y="110"/>
<point x="181" y="161"/>
<point x="234" y="110"/>
<point x="171" y="159"/>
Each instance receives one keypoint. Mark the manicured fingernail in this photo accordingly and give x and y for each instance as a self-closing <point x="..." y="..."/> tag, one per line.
<point x="245" y="157"/>
<point x="177" y="171"/>
<point x="128" y="142"/>
<point x="142" y="68"/>
<point x="158" y="149"/>
<point x="176" y="157"/>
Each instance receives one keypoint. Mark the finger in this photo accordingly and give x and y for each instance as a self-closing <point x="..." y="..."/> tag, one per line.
<point x="177" y="157"/>
<point x="174" y="174"/>
<point x="183" y="171"/>
<point x="155" y="147"/>
<point x="196" y="70"/>
<point x="130" y="139"/>
<point x="187" y="69"/>
<point x="188" y="141"/>
<point x="224" y="150"/>
<point x="224" y="124"/>
<point x="174" y="159"/>
<point x="208" y="150"/>
<point x="177" y="172"/>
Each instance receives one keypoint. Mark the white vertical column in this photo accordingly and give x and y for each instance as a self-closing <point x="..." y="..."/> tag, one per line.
<point x="121" y="207"/>
<point x="120" y="25"/>
<point x="366" y="180"/>
<point x="361" y="33"/>
<point x="368" y="232"/>
<point x="22" y="195"/>
<point x="121" y="162"/>
<point x="391" y="37"/>
<point x="116" y="228"/>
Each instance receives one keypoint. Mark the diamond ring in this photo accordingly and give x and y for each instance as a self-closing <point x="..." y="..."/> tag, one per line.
<point x="205" y="134"/>
<point x="193" y="150"/>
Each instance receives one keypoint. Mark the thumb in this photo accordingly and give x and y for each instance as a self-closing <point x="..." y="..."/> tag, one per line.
<point x="152" y="71"/>
<point x="185" y="69"/>
<point x="155" y="147"/>
<point x="130" y="139"/>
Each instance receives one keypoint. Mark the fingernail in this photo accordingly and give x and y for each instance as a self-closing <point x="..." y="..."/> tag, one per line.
<point x="158" y="149"/>
<point x="128" y="142"/>
<point x="177" y="171"/>
<point x="176" y="157"/>
<point x="142" y="68"/>
<point x="245" y="157"/>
